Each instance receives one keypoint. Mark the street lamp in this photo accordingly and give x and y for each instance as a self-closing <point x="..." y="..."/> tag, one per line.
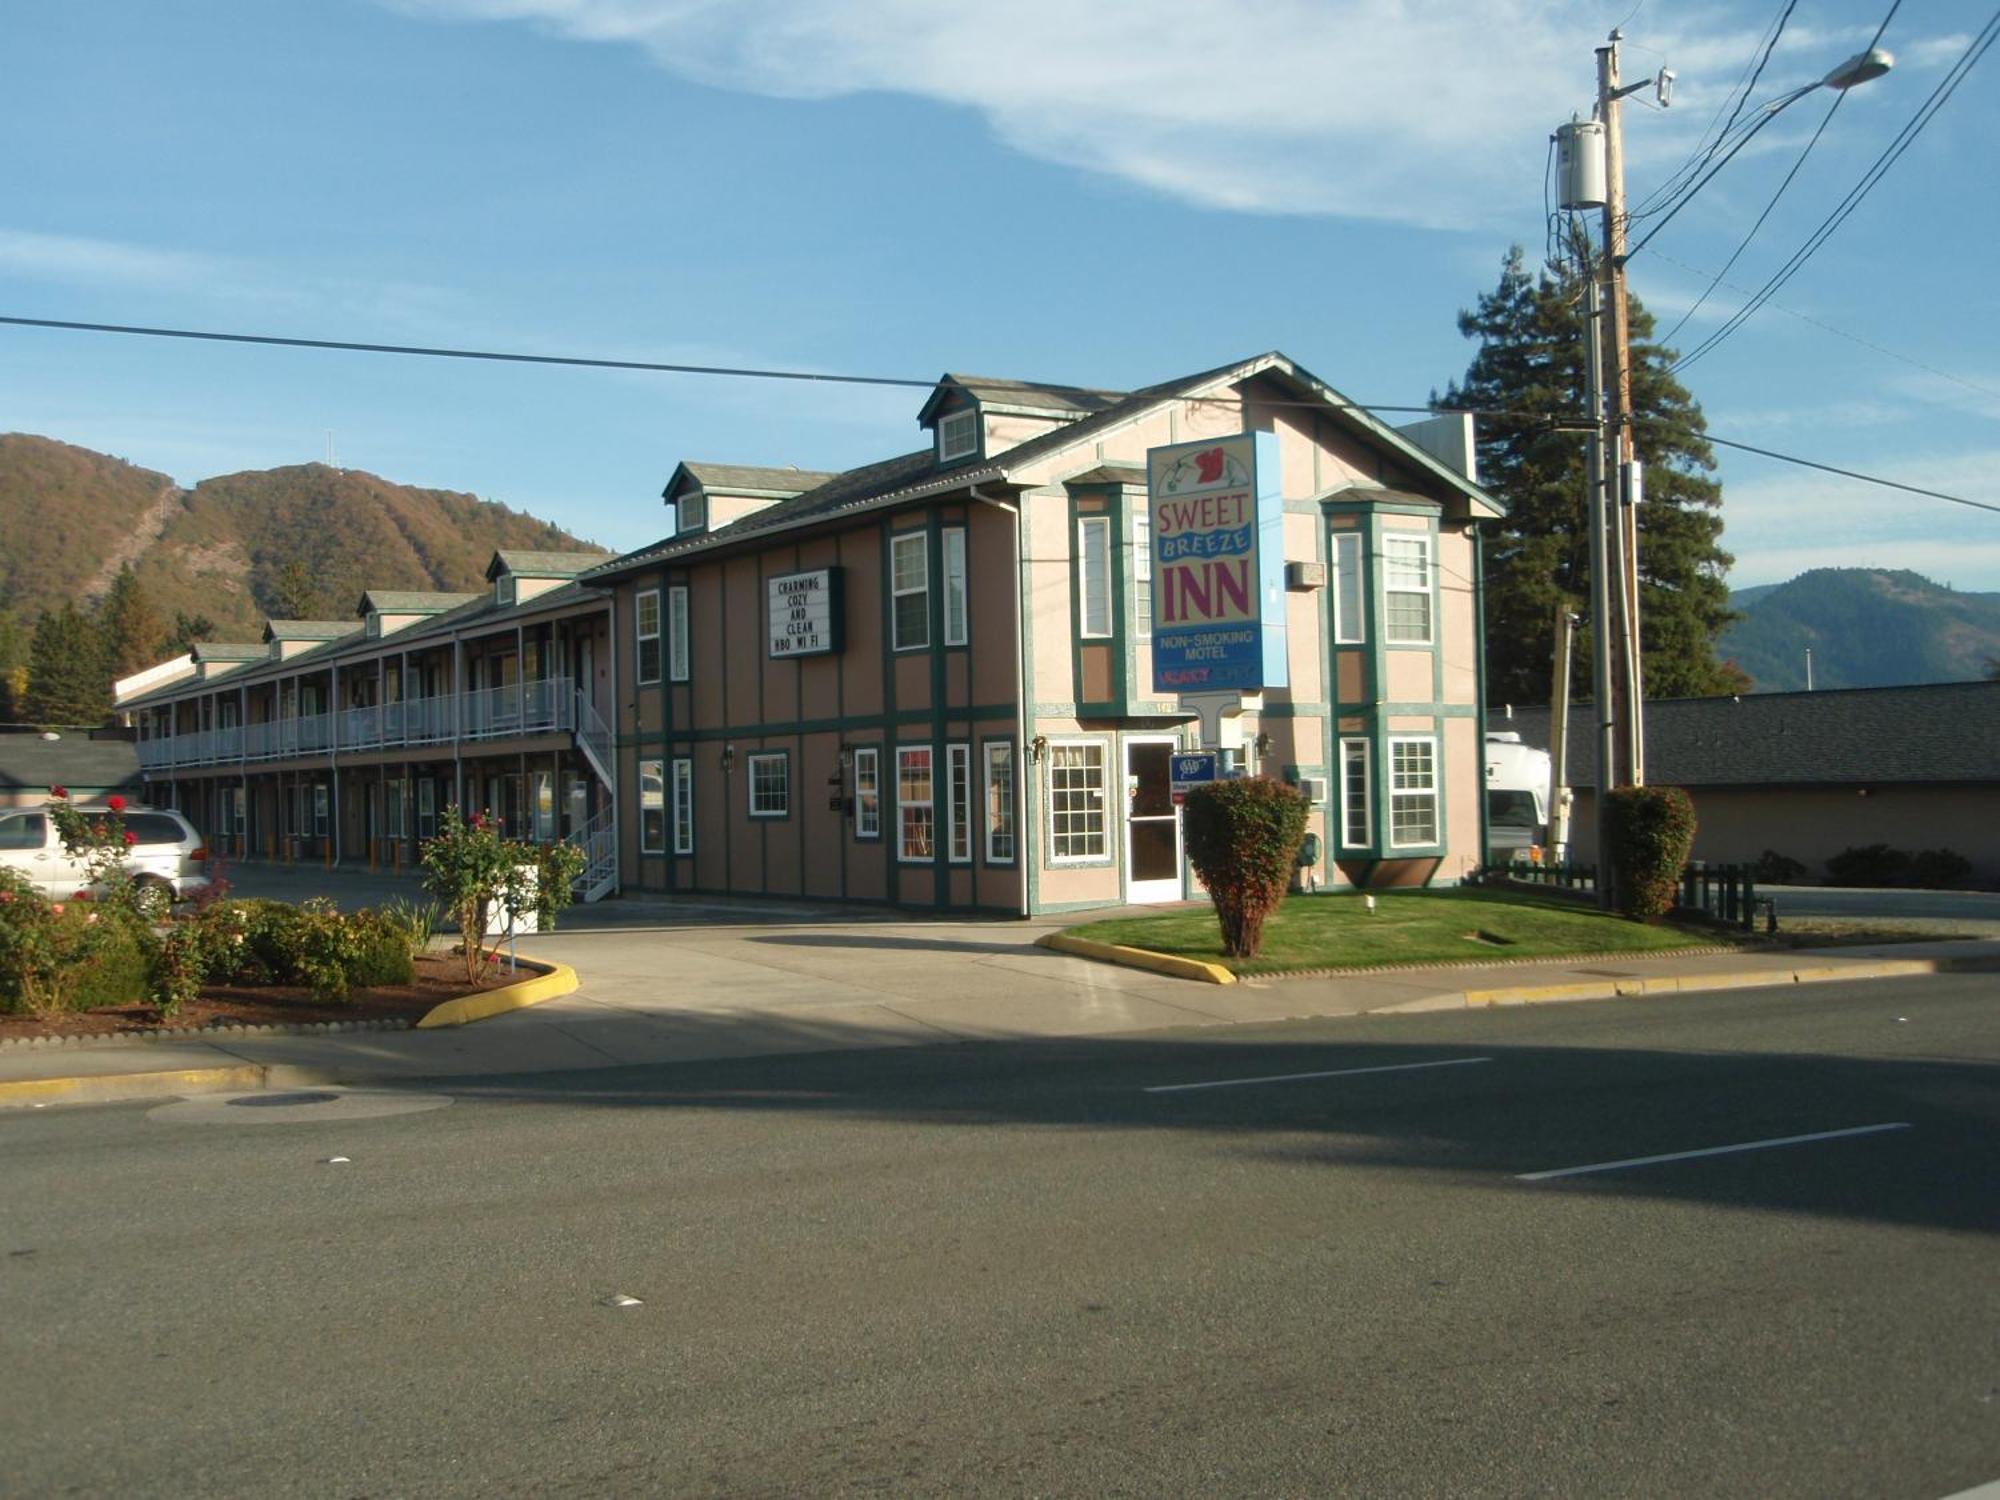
<point x="1614" y="537"/>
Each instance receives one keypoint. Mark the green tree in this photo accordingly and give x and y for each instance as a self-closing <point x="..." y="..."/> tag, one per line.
<point x="135" y="636"/>
<point x="1531" y="364"/>
<point x="188" y="630"/>
<point x="68" y="681"/>
<point x="294" y="593"/>
<point x="13" y="665"/>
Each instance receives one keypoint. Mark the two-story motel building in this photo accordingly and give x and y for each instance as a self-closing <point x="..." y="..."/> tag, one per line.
<point x="926" y="681"/>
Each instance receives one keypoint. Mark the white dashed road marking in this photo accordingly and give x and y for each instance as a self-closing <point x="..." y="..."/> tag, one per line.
<point x="1647" y="1161"/>
<point x="1237" y="1083"/>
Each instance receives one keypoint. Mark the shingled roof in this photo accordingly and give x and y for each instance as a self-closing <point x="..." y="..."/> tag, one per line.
<point x="751" y="479"/>
<point x="1937" y="732"/>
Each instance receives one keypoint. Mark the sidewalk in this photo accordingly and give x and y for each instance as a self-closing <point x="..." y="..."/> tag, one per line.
<point x="740" y="984"/>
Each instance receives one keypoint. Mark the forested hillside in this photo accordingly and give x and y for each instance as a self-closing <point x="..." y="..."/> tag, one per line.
<point x="70" y="517"/>
<point x="1867" y="627"/>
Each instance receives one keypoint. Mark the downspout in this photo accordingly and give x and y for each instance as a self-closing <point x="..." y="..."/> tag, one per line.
<point x="1021" y="823"/>
<point x="1479" y="684"/>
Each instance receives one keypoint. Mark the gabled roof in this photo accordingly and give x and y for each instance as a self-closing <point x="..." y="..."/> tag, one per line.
<point x="914" y="476"/>
<point x="229" y="651"/>
<point x="746" y="479"/>
<point x="308" y="630"/>
<point x="404" y="602"/>
<point x="1948" y="731"/>
<point x="1017" y="395"/>
<point x="541" y="564"/>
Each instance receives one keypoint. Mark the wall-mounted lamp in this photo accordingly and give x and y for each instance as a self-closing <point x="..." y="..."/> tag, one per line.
<point x="846" y="757"/>
<point x="1038" y="748"/>
<point x="728" y="758"/>
<point x="1263" y="743"/>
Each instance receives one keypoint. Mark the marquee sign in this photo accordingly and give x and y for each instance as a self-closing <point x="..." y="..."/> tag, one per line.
<point x="1218" y="565"/>
<point x="805" y="613"/>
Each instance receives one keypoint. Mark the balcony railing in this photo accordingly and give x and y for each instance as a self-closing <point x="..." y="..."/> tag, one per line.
<point x="551" y="705"/>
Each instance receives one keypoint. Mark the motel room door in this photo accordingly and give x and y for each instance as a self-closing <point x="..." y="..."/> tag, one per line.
<point x="1152" y="823"/>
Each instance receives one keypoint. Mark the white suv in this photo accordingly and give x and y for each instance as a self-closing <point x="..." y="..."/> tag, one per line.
<point x="165" y="858"/>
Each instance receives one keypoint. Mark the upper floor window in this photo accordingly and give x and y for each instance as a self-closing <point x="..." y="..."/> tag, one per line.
<point x="1406" y="583"/>
<point x="646" y="628"/>
<point x="1093" y="583"/>
<point x="677" y="633"/>
<point x="954" y="585"/>
<point x="1348" y="600"/>
<point x="910" y="586"/>
<point x="958" y="435"/>
<point x="1142" y="568"/>
<point x="503" y="589"/>
<point x="692" y="510"/>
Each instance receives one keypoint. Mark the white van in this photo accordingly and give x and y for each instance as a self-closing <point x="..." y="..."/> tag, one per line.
<point x="165" y="861"/>
<point x="1517" y="797"/>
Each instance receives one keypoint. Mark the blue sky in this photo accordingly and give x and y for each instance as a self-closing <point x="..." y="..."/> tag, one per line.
<point x="1109" y="194"/>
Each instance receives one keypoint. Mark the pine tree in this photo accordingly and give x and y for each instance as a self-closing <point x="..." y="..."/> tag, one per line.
<point x="294" y="593"/>
<point x="188" y="630"/>
<point x="13" y="665"/>
<point x="1531" y="362"/>
<point x="68" y="680"/>
<point x="134" y="634"/>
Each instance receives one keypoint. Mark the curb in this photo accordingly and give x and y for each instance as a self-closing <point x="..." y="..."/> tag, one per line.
<point x="1137" y="958"/>
<point x="1670" y="984"/>
<point x="227" y="1078"/>
<point x="553" y="980"/>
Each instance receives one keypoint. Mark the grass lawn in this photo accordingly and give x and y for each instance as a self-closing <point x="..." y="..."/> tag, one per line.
<point x="1408" y="927"/>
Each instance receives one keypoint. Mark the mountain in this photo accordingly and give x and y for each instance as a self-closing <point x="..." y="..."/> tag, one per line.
<point x="69" y="518"/>
<point x="1867" y="627"/>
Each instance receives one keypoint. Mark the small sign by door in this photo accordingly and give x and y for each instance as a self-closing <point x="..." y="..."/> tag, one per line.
<point x="1194" y="769"/>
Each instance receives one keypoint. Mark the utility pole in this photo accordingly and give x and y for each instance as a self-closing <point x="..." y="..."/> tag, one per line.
<point x="1620" y="455"/>
<point x="1559" y="742"/>
<point x="1602" y="626"/>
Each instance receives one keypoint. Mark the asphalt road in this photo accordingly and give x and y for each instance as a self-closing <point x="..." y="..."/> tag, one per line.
<point x="1046" y="1269"/>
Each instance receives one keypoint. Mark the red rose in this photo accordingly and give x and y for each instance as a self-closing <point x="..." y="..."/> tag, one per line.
<point x="58" y="791"/>
<point x="131" y="838"/>
<point x="115" y="803"/>
<point x="85" y="896"/>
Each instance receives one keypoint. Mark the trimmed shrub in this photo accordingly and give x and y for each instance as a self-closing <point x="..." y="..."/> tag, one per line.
<point x="1242" y="838"/>
<point x="1940" y="870"/>
<point x="1868" y="864"/>
<point x="1773" y="868"/>
<point x="75" y="955"/>
<point x="1648" y="833"/>
<point x="381" y="952"/>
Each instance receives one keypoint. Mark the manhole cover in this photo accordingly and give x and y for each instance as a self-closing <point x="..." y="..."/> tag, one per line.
<point x="328" y="1106"/>
<point x="281" y="1101"/>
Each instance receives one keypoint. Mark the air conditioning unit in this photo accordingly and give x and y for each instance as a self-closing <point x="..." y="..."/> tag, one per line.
<point x="1313" y="789"/>
<point x="1300" y="576"/>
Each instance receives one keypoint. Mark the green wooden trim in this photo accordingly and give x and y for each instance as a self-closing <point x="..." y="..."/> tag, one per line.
<point x="941" y="830"/>
<point x="839" y="708"/>
<point x="892" y="878"/>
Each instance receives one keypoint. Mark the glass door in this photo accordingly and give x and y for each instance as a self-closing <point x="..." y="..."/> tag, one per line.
<point x="1152" y="823"/>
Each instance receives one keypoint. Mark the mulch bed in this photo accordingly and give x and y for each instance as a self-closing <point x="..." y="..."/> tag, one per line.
<point x="440" y="977"/>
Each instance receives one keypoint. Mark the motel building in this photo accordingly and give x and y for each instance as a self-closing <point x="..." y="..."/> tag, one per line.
<point x="931" y="681"/>
<point x="948" y="681"/>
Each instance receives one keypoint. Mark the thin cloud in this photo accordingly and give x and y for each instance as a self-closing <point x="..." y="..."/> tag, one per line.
<point x="76" y="259"/>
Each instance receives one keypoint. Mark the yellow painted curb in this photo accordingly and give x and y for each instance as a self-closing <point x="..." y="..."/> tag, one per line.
<point x="552" y="981"/>
<point x="1138" y="958"/>
<point x="226" y="1079"/>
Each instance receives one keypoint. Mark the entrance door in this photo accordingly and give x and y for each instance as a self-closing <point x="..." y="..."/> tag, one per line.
<point x="1152" y="823"/>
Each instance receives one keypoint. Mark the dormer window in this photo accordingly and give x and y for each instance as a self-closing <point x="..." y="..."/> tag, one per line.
<point x="374" y="626"/>
<point x="958" y="435"/>
<point x="692" y="509"/>
<point x="503" y="589"/>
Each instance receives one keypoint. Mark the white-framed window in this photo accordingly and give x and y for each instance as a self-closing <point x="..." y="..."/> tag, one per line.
<point x="1356" y="831"/>
<point x="958" y="434"/>
<point x="504" y="590"/>
<point x="910" y="590"/>
<point x="954" y="585"/>
<point x="652" y="807"/>
<point x="1350" y="613"/>
<point x="999" y="802"/>
<point x="426" y="807"/>
<point x="1078" y="825"/>
<point x="677" y="633"/>
<point x="683" y="806"/>
<point x="770" y="783"/>
<point x="321" y="798"/>
<point x="958" y="803"/>
<point x="1413" y="797"/>
<point x="646" y="633"/>
<point x="692" y="510"/>
<point x="1142" y="568"/>
<point x="1406" y="583"/>
<point x="916" y="805"/>
<point x="868" y="793"/>
<point x="1093" y="576"/>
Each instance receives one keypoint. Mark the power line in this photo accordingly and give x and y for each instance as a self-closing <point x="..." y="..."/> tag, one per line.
<point x="1926" y="112"/>
<point x="756" y="373"/>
